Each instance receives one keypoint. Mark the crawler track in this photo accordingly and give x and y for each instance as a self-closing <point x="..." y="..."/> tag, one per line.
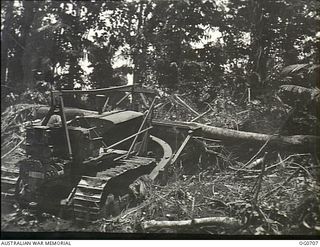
<point x="92" y="191"/>
<point x="103" y="192"/>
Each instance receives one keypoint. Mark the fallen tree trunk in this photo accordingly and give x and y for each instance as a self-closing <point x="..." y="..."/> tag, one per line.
<point x="227" y="221"/>
<point x="302" y="142"/>
<point x="307" y="142"/>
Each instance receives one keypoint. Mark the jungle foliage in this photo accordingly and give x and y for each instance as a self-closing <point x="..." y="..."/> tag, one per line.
<point x="244" y="65"/>
<point x="206" y="48"/>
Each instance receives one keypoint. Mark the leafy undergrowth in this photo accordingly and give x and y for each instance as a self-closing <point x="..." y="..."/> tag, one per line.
<point x="287" y="202"/>
<point x="14" y="121"/>
<point x="223" y="112"/>
<point x="283" y="199"/>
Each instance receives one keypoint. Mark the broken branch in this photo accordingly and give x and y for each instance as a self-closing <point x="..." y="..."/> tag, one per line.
<point x="186" y="105"/>
<point x="201" y="115"/>
<point x="281" y="185"/>
<point x="229" y="221"/>
<point x="259" y="181"/>
<point x="283" y="161"/>
<point x="14" y="148"/>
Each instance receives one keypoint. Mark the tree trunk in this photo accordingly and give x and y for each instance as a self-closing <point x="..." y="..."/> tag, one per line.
<point x="307" y="143"/>
<point x="228" y="221"/>
<point x="5" y="41"/>
<point x="30" y="57"/>
<point x="138" y="47"/>
<point x="302" y="142"/>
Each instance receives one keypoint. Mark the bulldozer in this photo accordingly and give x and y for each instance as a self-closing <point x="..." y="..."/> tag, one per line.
<point x="85" y="162"/>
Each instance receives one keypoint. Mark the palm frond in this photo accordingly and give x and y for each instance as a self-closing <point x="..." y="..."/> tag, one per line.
<point x="296" y="68"/>
<point x="298" y="91"/>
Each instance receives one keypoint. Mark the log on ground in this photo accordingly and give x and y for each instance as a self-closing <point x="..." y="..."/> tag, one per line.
<point x="225" y="221"/>
<point x="308" y="143"/>
<point x="305" y="142"/>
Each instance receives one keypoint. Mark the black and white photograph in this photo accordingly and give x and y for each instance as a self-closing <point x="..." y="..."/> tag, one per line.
<point x="160" y="119"/>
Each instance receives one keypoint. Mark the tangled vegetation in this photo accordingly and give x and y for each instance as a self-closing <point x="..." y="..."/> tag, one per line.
<point x="241" y="65"/>
<point x="272" y="194"/>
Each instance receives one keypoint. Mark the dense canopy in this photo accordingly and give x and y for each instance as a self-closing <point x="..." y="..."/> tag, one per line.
<point x="205" y="47"/>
